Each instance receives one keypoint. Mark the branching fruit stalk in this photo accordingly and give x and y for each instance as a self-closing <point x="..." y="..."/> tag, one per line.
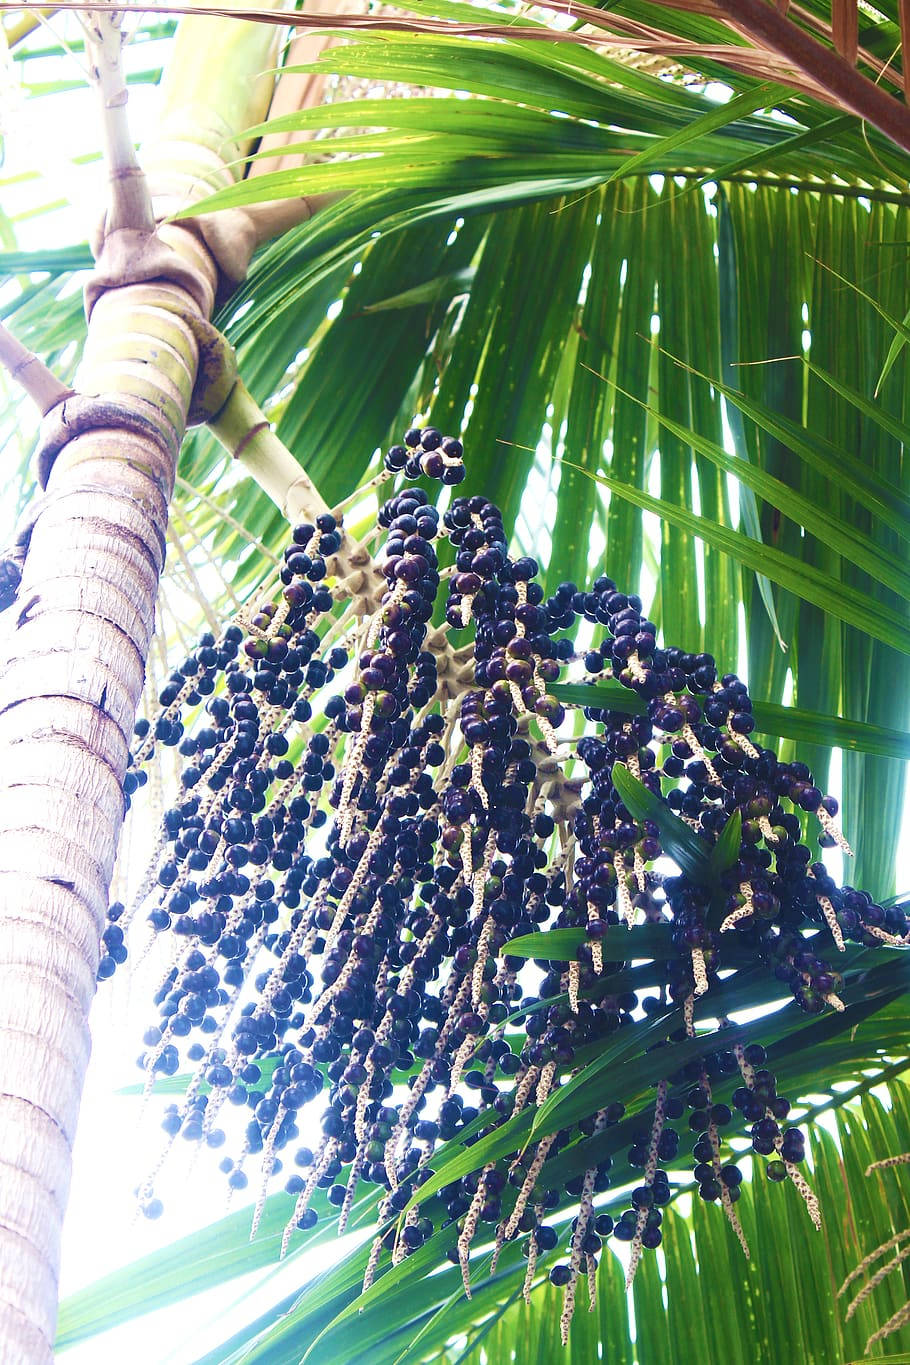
<point x="247" y="435"/>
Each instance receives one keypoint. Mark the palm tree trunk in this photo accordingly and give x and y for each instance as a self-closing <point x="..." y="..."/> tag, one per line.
<point x="73" y="662"/>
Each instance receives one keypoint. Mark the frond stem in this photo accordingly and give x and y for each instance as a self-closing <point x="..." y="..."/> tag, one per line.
<point x="786" y="183"/>
<point x="247" y="435"/>
<point x="772" y="31"/>
<point x="131" y="201"/>
<point x="24" y="27"/>
<point x="31" y="374"/>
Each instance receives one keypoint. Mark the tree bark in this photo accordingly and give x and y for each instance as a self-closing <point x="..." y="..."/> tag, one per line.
<point x="72" y="662"/>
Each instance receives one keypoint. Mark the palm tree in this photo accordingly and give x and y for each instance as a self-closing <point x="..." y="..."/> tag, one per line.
<point x="630" y="299"/>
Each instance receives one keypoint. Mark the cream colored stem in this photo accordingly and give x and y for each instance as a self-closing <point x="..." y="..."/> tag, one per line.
<point x="30" y="373"/>
<point x="273" y="219"/>
<point x="131" y="203"/>
<point x="247" y="436"/>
